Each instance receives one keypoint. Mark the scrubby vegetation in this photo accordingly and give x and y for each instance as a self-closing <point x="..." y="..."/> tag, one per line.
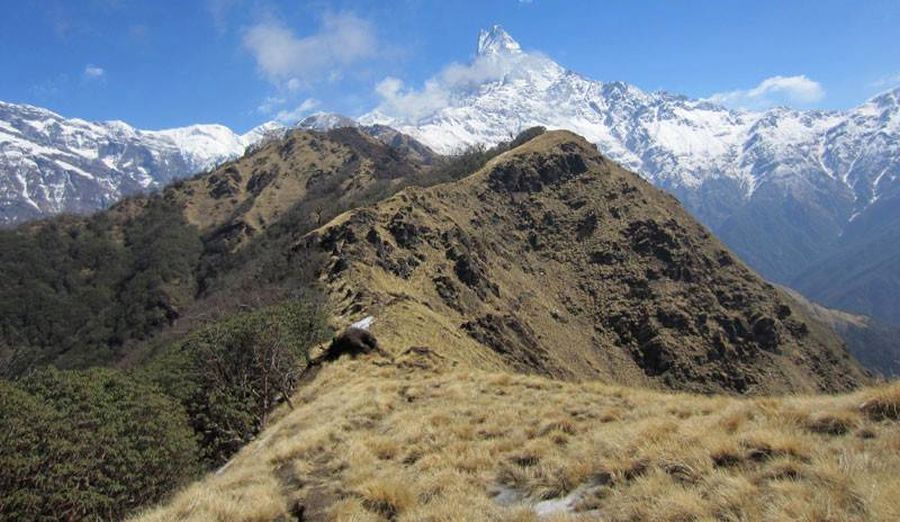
<point x="98" y="443"/>
<point x="419" y="440"/>
<point x="82" y="292"/>
<point x="75" y="291"/>
<point x="89" y="445"/>
<point x="230" y="375"/>
<point x="470" y="159"/>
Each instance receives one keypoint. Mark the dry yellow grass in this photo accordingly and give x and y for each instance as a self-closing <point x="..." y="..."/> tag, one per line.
<point x="418" y="439"/>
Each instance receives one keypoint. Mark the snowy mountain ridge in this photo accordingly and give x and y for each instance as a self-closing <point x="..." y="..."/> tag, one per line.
<point x="50" y="164"/>
<point x="676" y="142"/>
<point x="47" y="162"/>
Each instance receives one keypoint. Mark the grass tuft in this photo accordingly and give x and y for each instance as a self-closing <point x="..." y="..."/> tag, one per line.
<point x="883" y="403"/>
<point x="833" y="423"/>
<point x="388" y="496"/>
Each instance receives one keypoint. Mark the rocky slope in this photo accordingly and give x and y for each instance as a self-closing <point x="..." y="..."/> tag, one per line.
<point x="783" y="188"/>
<point x="554" y="260"/>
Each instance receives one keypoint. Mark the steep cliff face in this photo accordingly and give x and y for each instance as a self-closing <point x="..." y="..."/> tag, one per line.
<point x="554" y="260"/>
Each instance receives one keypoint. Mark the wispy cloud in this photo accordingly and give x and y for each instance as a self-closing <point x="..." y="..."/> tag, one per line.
<point x="92" y="72"/>
<point x="410" y="104"/>
<point x="219" y="11"/>
<point x="777" y="90"/>
<point x="298" y="113"/>
<point x="59" y="18"/>
<point x="52" y="88"/>
<point x="886" y="82"/>
<point x="270" y="104"/>
<point x="295" y="62"/>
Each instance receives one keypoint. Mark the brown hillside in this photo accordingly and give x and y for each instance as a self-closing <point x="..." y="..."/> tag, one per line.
<point x="259" y="188"/>
<point x="554" y="260"/>
<point x="324" y="171"/>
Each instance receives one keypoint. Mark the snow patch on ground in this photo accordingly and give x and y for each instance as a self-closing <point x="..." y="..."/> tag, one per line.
<point x="510" y="497"/>
<point x="363" y="324"/>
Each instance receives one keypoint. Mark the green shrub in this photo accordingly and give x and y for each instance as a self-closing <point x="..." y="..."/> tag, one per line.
<point x="231" y="374"/>
<point x="90" y="445"/>
<point x="527" y="135"/>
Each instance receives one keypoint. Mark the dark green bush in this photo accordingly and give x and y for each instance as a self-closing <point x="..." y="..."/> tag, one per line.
<point x="527" y="135"/>
<point x="74" y="290"/>
<point x="230" y="375"/>
<point x="90" y="445"/>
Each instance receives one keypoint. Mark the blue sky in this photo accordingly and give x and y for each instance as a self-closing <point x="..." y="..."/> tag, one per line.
<point x="165" y="63"/>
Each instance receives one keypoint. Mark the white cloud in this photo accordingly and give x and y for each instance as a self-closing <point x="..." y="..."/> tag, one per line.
<point x="777" y="90"/>
<point x="298" y="113"/>
<point x="92" y="72"/>
<point x="410" y="104"/>
<point x="269" y="104"/>
<point x="294" y="63"/>
<point x="294" y="85"/>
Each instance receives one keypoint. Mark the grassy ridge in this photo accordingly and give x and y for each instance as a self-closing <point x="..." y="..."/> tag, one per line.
<point x="420" y="440"/>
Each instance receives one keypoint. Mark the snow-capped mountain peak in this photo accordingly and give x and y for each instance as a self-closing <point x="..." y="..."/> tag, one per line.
<point x="204" y="145"/>
<point x="739" y="171"/>
<point x="496" y="41"/>
<point x="675" y="141"/>
<point x="264" y="132"/>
